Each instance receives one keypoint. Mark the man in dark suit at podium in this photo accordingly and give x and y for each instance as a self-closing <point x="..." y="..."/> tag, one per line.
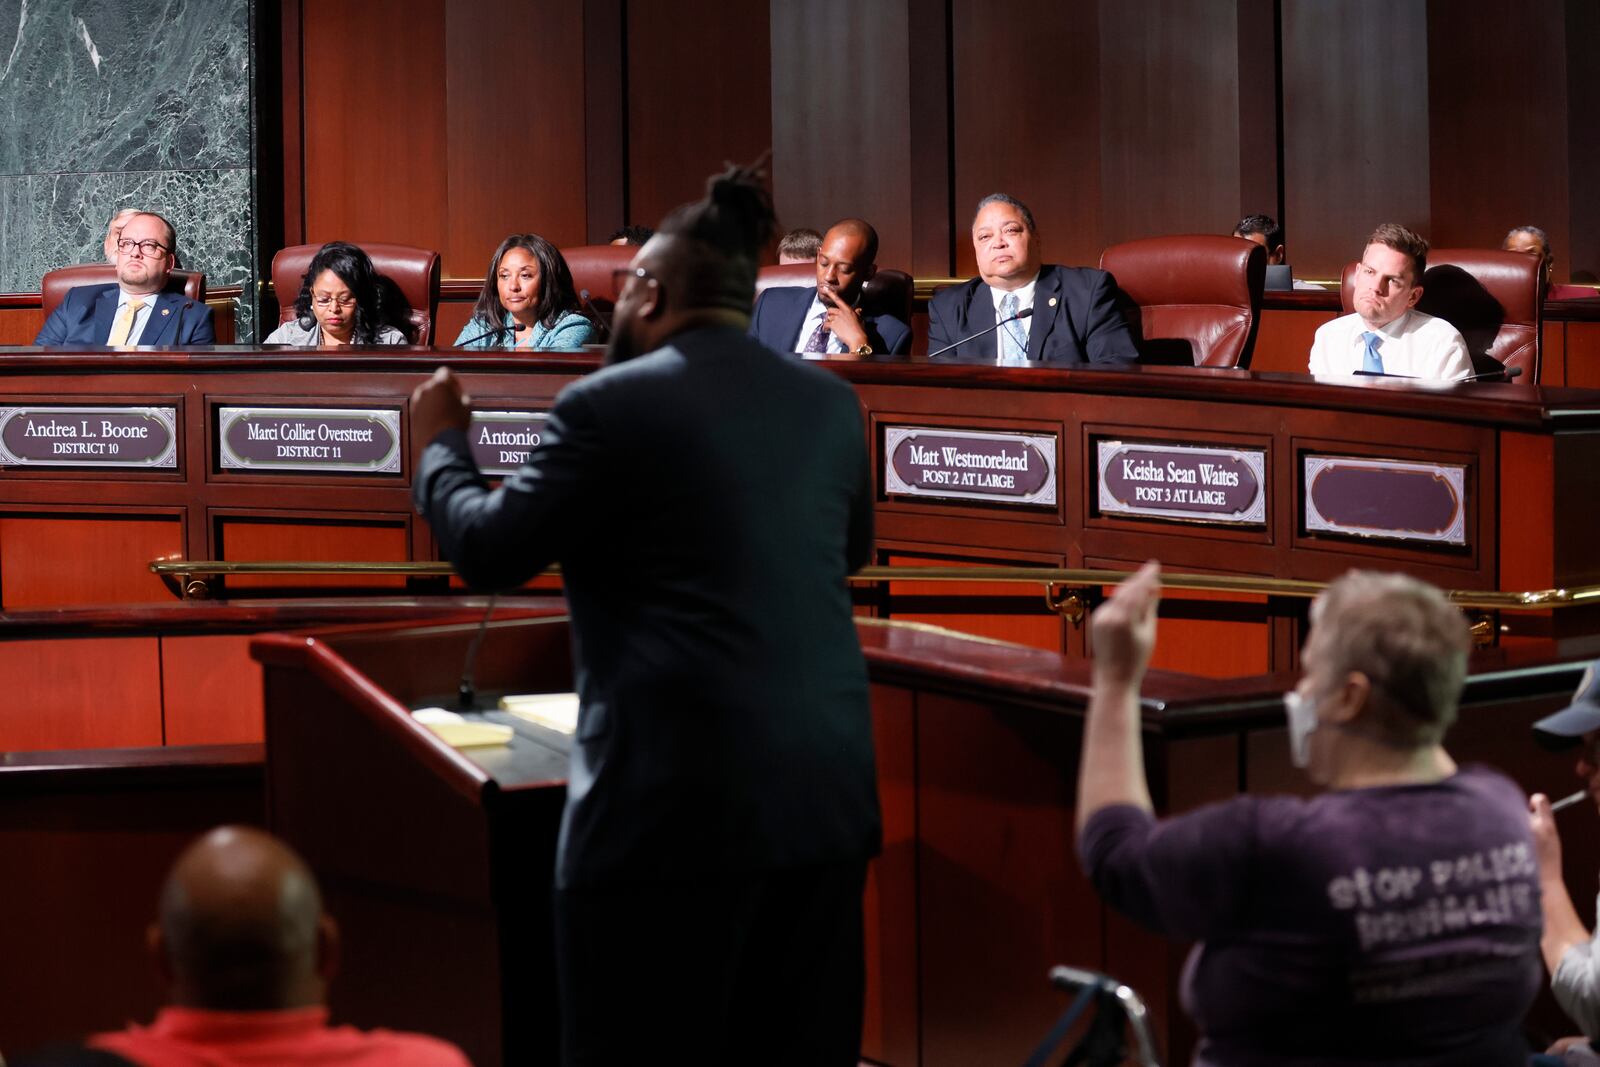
<point x="1072" y="315"/>
<point x="823" y="319"/>
<point x="136" y="310"/>
<point x="706" y="498"/>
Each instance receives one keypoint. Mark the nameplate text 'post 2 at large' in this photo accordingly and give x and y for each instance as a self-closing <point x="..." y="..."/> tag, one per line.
<point x="987" y="465"/>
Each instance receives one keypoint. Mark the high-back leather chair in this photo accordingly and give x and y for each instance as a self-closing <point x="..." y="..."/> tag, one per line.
<point x="1490" y="295"/>
<point x="887" y="292"/>
<point x="1191" y="300"/>
<point x="410" y="276"/>
<point x="594" y="266"/>
<point x="53" y="287"/>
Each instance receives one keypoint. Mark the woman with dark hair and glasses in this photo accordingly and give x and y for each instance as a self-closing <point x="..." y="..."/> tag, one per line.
<point x="527" y="301"/>
<point x="340" y="303"/>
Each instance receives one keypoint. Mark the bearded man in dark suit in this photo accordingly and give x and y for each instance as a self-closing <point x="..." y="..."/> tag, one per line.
<point x="706" y="498"/>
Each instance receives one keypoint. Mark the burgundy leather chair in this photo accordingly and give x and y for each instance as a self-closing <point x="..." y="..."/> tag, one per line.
<point x="886" y="292"/>
<point x="413" y="272"/>
<point x="593" y="267"/>
<point x="53" y="286"/>
<point x="1491" y="296"/>
<point x="1191" y="299"/>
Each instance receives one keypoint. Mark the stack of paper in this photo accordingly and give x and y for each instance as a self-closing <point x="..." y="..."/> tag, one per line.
<point x="457" y="732"/>
<point x="553" y="711"/>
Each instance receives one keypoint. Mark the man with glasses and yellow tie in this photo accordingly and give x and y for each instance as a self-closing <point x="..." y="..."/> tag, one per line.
<point x="136" y="310"/>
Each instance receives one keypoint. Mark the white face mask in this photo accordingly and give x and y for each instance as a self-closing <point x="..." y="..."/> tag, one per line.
<point x="1302" y="715"/>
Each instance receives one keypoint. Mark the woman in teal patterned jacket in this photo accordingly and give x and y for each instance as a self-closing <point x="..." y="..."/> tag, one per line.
<point x="527" y="301"/>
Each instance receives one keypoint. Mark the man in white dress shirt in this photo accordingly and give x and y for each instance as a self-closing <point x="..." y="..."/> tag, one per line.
<point x="1387" y="334"/>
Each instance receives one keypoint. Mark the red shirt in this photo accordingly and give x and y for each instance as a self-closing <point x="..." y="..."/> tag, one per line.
<point x="190" y="1037"/>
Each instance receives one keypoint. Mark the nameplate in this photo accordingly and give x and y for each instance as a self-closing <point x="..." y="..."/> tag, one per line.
<point x="323" y="440"/>
<point x="501" y="440"/>
<point x="1183" y="483"/>
<point x="999" y="468"/>
<point x="102" y="436"/>
<point x="1385" y="498"/>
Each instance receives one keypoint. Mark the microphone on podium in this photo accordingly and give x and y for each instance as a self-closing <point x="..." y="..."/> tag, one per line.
<point x="599" y="320"/>
<point x="1023" y="314"/>
<point x="516" y="328"/>
<point x="1504" y="374"/>
<point x="467" y="689"/>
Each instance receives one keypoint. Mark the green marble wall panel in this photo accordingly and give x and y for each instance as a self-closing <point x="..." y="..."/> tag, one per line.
<point x="132" y="103"/>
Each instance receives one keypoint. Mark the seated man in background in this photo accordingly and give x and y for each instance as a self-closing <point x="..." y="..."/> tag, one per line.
<point x="798" y="246"/>
<point x="114" y="231"/>
<point x="136" y="310"/>
<point x="1265" y="231"/>
<point x="824" y="319"/>
<point x="632" y="234"/>
<point x="1386" y="334"/>
<point x="1535" y="242"/>
<point x="1022" y="313"/>
<point x="1392" y="917"/>
<point x="247" y="953"/>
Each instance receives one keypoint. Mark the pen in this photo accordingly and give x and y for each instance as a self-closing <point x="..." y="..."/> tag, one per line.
<point x="1567" y="802"/>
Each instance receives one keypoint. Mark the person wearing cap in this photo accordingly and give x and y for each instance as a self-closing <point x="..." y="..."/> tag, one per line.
<point x="1570" y="952"/>
<point x="1393" y="916"/>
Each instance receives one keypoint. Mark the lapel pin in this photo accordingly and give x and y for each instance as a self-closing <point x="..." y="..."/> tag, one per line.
<point x="1052" y="301"/>
<point x="166" y="311"/>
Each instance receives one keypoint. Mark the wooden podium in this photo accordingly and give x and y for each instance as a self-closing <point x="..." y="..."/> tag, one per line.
<point x="437" y="864"/>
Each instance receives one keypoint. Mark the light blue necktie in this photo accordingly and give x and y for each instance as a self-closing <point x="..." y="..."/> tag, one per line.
<point x="1372" y="361"/>
<point x="1013" y="346"/>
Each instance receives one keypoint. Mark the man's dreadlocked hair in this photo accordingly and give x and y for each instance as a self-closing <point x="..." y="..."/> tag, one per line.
<point x="727" y="231"/>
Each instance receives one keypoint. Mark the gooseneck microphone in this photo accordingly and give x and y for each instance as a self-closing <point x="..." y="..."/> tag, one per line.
<point x="1023" y="314"/>
<point x="467" y="690"/>
<point x="600" y="321"/>
<point x="1504" y="374"/>
<point x="516" y="328"/>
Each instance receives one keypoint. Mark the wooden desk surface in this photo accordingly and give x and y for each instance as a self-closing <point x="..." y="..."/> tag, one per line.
<point x="1524" y="459"/>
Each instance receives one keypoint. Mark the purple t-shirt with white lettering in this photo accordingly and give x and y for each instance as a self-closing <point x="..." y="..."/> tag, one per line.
<point x="1398" y="923"/>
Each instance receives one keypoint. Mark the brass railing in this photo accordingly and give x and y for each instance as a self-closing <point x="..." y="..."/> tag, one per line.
<point x="1057" y="582"/>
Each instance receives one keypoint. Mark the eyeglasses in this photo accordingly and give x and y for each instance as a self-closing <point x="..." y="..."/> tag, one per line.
<point x="323" y="300"/>
<point x="147" y="248"/>
<point x="620" y="278"/>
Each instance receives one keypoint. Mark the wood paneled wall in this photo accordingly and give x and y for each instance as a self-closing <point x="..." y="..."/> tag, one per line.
<point x="457" y="122"/>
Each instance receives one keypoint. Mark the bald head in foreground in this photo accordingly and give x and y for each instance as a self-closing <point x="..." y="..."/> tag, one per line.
<point x="246" y="954"/>
<point x="721" y="799"/>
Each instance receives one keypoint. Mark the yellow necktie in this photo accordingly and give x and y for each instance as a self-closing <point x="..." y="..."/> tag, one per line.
<point x="124" y="323"/>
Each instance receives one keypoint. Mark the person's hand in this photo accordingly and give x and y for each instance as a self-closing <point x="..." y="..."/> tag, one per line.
<point x="1123" y="629"/>
<point x="1546" y="839"/>
<point x="438" y="404"/>
<point x="843" y="321"/>
<point x="1561" y="1046"/>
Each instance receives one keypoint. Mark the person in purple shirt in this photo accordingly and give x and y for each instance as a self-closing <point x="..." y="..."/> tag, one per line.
<point x="1392" y="918"/>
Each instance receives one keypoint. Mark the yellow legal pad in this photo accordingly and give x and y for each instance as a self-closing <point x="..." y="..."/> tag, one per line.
<point x="457" y="732"/>
<point x="553" y="711"/>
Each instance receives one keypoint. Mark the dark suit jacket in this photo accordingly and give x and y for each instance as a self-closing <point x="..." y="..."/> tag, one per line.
<point x="1075" y="319"/>
<point x="780" y="314"/>
<point x="86" y="315"/>
<point x="705" y="502"/>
